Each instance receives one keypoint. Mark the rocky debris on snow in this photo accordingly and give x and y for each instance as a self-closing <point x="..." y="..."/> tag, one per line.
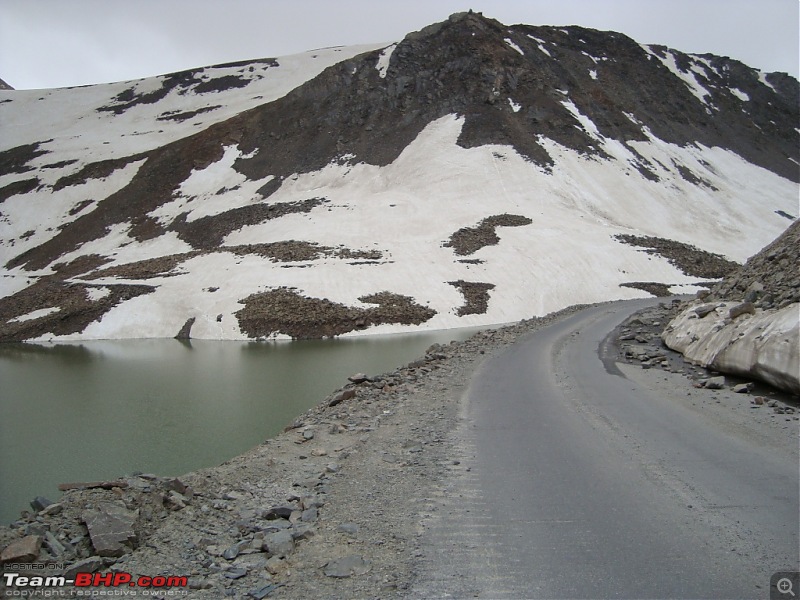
<point x="476" y="296"/>
<point x="689" y="259"/>
<point x="659" y="290"/>
<point x="469" y="240"/>
<point x="285" y="311"/>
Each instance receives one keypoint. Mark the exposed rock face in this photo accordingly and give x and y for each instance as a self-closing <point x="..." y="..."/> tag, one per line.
<point x="749" y="324"/>
<point x="770" y="279"/>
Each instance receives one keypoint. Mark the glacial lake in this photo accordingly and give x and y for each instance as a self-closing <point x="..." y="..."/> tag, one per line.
<point x="98" y="410"/>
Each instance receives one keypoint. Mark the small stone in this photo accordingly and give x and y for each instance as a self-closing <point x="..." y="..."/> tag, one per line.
<point x="308" y="434"/>
<point x="231" y="553"/>
<point x="278" y="512"/>
<point x="332" y="468"/>
<point x="262" y="591"/>
<point x="309" y="515"/>
<point x="87" y="565"/>
<point x="347" y="567"/>
<point x="111" y="529"/>
<point x="22" y="550"/>
<point x="53" y="509"/>
<point x="715" y="383"/>
<point x="235" y="573"/>
<point x="745" y="308"/>
<point x="743" y="388"/>
<point x="280" y="543"/>
<point x="341" y="397"/>
<point x="358" y="378"/>
<point x="348" y="528"/>
<point x="275" y="565"/>
<point x="303" y="531"/>
<point x="40" y="503"/>
<point x="705" y="310"/>
<point x="198" y="583"/>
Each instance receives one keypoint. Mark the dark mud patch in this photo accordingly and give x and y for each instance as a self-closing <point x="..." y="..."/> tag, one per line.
<point x="284" y="311"/>
<point x="689" y="259"/>
<point x="469" y="240"/>
<point x="476" y="296"/>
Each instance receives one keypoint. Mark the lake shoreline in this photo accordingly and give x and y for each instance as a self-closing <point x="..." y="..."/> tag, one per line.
<point x="335" y="506"/>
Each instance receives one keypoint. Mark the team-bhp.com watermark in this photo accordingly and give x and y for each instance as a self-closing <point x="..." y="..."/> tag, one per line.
<point x="32" y="583"/>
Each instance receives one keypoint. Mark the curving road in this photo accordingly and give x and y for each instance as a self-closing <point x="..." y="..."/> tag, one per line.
<point x="579" y="482"/>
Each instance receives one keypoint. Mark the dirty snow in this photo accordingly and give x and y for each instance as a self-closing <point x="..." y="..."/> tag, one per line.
<point x="766" y="344"/>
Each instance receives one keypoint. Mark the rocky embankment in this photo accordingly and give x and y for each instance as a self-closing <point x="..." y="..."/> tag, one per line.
<point x="335" y="506"/>
<point x="748" y="324"/>
<point x="312" y="513"/>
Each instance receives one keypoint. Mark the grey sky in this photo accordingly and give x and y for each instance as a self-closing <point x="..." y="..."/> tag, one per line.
<point x="53" y="43"/>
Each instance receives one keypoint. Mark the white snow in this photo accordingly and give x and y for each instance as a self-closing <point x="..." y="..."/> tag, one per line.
<point x="762" y="77"/>
<point x="593" y="74"/>
<point x="70" y="117"/>
<point x="540" y="44"/>
<point x="514" y="46"/>
<point x="688" y="78"/>
<point x="97" y="293"/>
<point x="35" y="314"/>
<point x="383" y="60"/>
<point x="596" y="198"/>
<point x="739" y="94"/>
<point x="406" y="210"/>
<point x="766" y="344"/>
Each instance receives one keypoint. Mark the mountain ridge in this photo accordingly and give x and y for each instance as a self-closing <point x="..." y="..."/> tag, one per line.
<point x="526" y="99"/>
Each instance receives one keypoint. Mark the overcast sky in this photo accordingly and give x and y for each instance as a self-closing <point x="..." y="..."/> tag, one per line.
<point x="54" y="43"/>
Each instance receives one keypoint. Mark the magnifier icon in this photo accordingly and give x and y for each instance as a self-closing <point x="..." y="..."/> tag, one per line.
<point x="785" y="586"/>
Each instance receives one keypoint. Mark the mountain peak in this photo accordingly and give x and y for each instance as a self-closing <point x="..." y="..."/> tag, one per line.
<point x="471" y="173"/>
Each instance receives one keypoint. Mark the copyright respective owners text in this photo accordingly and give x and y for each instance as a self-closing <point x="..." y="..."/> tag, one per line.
<point x="49" y="581"/>
<point x="783" y="585"/>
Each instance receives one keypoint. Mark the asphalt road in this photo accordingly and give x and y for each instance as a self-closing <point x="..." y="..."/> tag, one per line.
<point x="580" y="482"/>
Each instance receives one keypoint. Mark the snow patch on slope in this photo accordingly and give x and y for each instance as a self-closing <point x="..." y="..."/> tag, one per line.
<point x="383" y="60"/>
<point x="689" y="79"/>
<point x="436" y="187"/>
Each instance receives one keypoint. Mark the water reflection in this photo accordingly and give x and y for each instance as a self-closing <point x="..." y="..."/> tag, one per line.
<point x="96" y="410"/>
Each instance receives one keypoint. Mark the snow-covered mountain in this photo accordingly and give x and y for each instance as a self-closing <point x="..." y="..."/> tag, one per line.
<point x="472" y="173"/>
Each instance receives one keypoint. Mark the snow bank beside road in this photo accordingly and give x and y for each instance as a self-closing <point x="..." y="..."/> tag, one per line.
<point x="762" y="344"/>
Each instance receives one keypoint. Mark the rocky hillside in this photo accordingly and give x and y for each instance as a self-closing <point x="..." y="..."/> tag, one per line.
<point x="471" y="173"/>
<point x="770" y="279"/>
<point x="749" y="324"/>
<point x="5" y="86"/>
